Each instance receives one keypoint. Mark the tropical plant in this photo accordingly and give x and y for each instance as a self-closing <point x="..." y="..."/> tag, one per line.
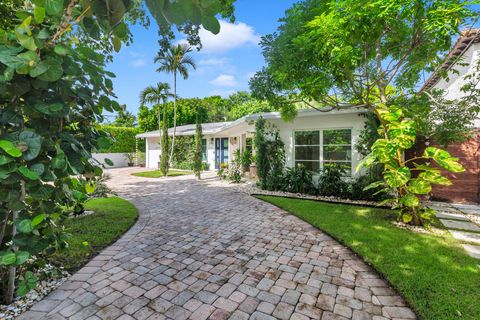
<point x="124" y="118"/>
<point x="53" y="89"/>
<point x="175" y="60"/>
<point x="243" y="158"/>
<point x="157" y="95"/>
<point x="261" y="158"/>
<point x="197" y="156"/>
<point x="407" y="183"/>
<point x="345" y="54"/>
<point x="298" y="180"/>
<point x="331" y="182"/>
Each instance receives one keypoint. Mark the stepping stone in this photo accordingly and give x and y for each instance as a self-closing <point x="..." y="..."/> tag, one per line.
<point x="444" y="209"/>
<point x="466" y="236"/>
<point x="475" y="211"/>
<point x="461" y="206"/>
<point x="473" y="251"/>
<point x="449" y="215"/>
<point x="463" y="225"/>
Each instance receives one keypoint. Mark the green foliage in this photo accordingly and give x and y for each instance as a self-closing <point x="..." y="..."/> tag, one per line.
<point x="437" y="278"/>
<point x="298" y="180"/>
<point x="330" y="182"/>
<point x="124" y="140"/>
<point x="53" y="89"/>
<point x="197" y="155"/>
<point x="400" y="134"/>
<point x="124" y="118"/>
<point x="270" y="155"/>
<point x="113" y="216"/>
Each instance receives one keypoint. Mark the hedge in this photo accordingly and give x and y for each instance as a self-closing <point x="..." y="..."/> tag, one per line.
<point x="124" y="139"/>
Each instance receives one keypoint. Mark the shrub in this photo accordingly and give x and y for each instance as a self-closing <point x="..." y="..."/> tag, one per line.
<point x="357" y="187"/>
<point x="330" y="182"/>
<point x="123" y="140"/>
<point x="298" y="180"/>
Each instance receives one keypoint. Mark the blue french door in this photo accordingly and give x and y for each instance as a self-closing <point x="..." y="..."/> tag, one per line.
<point x="221" y="151"/>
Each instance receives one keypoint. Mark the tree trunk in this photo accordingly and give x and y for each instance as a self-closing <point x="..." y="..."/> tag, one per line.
<point x="3" y="226"/>
<point x="174" y="116"/>
<point x="12" y="270"/>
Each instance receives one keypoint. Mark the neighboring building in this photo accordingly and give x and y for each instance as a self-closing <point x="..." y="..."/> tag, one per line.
<point x="460" y="62"/>
<point x="312" y="138"/>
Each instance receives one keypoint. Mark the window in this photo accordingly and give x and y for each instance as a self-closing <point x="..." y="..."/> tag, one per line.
<point x="319" y="148"/>
<point x="204" y="150"/>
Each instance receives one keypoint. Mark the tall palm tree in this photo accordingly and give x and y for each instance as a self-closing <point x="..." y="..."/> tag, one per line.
<point x="175" y="60"/>
<point x="157" y="95"/>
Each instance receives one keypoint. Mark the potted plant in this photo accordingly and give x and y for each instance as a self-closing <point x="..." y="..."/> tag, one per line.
<point x="130" y="157"/>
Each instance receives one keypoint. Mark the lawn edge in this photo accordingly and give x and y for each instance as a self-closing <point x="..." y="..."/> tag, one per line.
<point x="382" y="275"/>
<point x="74" y="270"/>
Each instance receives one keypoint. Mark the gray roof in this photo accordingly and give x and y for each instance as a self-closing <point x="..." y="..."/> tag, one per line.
<point x="189" y="129"/>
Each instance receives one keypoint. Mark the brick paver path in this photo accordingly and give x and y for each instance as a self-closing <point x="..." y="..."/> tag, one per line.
<point x="202" y="250"/>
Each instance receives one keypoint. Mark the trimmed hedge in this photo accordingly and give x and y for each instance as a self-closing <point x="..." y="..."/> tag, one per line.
<point x="124" y="140"/>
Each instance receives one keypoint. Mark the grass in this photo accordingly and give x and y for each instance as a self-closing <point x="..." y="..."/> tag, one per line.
<point x="157" y="174"/>
<point x="113" y="217"/>
<point x="433" y="272"/>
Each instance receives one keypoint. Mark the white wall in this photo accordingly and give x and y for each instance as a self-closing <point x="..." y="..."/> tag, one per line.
<point x="118" y="159"/>
<point x="152" y="152"/>
<point x="456" y="79"/>
<point x="352" y="121"/>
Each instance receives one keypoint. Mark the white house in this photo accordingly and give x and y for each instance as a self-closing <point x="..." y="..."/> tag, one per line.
<point x="460" y="64"/>
<point x="313" y="138"/>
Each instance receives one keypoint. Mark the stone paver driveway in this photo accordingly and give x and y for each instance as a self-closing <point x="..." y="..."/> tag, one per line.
<point x="202" y="250"/>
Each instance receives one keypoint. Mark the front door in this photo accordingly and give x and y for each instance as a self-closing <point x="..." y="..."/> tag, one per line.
<point x="221" y="151"/>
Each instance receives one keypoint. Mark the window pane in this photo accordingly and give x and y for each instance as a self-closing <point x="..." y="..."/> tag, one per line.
<point x="343" y="136"/>
<point x="337" y="153"/>
<point x="310" y="165"/>
<point x="346" y="166"/>
<point x="307" y="153"/>
<point x="307" y="138"/>
<point x="204" y="150"/>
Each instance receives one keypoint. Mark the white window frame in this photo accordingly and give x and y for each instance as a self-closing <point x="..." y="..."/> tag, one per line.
<point x="321" y="145"/>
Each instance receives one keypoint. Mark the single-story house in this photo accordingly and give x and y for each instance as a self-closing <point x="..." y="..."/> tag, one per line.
<point x="313" y="138"/>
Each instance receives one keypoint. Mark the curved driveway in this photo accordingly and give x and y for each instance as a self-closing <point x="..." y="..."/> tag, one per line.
<point x="203" y="250"/>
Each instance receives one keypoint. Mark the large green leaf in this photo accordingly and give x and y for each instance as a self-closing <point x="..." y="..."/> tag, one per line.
<point x="410" y="200"/>
<point x="419" y="186"/>
<point x="54" y="72"/>
<point x="396" y="177"/>
<point x="7" y="258"/>
<point x="403" y="133"/>
<point x="54" y="7"/>
<point x="24" y="226"/>
<point x="384" y="150"/>
<point x="21" y="257"/>
<point x="4" y="159"/>
<point x="38" y="219"/>
<point x="10" y="148"/>
<point x="33" y="141"/>
<point x="40" y="192"/>
<point x="27" y="173"/>
<point x="444" y="159"/>
<point x="211" y="24"/>
<point x="39" y="13"/>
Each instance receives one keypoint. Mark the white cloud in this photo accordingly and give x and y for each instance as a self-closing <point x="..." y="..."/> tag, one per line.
<point x="222" y="93"/>
<point x="231" y="36"/>
<point x="139" y="62"/>
<point x="224" y="80"/>
<point x="214" y="62"/>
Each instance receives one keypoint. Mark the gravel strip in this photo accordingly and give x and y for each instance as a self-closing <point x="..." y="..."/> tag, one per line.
<point x="22" y="304"/>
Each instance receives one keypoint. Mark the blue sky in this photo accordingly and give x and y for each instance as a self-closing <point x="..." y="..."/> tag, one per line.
<point x="224" y="65"/>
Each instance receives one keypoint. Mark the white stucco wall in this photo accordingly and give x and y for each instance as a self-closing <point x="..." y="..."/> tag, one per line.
<point x="315" y="121"/>
<point x="119" y="159"/>
<point x="352" y="121"/>
<point x="458" y="76"/>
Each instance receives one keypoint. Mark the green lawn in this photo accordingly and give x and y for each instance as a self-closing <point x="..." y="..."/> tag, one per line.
<point x="112" y="218"/>
<point x="434" y="274"/>
<point x="157" y="174"/>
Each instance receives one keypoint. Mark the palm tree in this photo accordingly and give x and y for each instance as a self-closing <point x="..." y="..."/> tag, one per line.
<point x="175" y="60"/>
<point x="157" y="95"/>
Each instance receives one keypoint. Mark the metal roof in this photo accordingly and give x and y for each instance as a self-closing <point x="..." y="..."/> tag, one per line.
<point x="215" y="127"/>
<point x="188" y="129"/>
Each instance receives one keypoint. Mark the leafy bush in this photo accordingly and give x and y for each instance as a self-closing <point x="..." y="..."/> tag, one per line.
<point x="234" y="174"/>
<point x="222" y="173"/>
<point x="298" y="180"/>
<point x="330" y="182"/>
<point x="124" y="140"/>
<point x="358" y="187"/>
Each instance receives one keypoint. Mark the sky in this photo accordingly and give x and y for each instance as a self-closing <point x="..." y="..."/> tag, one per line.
<point x="224" y="65"/>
